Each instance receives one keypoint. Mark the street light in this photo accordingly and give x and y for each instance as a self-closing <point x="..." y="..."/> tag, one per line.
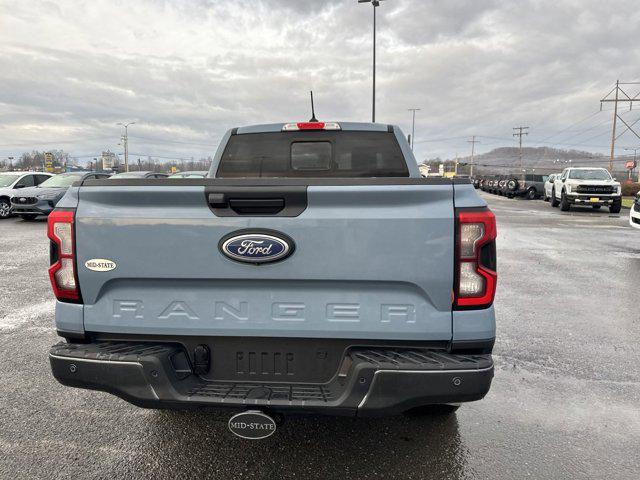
<point x="375" y="3"/>
<point x="413" y="124"/>
<point x="125" y="138"/>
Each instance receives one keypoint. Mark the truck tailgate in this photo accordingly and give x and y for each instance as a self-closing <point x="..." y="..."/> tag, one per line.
<point x="371" y="261"/>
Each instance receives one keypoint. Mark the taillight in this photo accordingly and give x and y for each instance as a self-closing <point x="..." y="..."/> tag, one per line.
<point x="62" y="271"/>
<point x="294" y="127"/>
<point x="476" y="277"/>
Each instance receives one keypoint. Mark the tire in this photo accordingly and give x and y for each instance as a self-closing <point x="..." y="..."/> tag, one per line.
<point x="432" y="410"/>
<point x="597" y="207"/>
<point x="5" y="209"/>
<point x="554" y="200"/>
<point x="565" y="206"/>
<point x="531" y="194"/>
<point x="615" y="207"/>
<point x="28" y="217"/>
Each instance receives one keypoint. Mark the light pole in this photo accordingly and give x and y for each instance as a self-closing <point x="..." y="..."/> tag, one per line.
<point x="376" y="4"/>
<point x="125" y="139"/>
<point x="413" y="124"/>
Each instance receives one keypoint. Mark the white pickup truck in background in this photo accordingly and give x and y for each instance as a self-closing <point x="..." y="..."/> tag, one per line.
<point x="586" y="186"/>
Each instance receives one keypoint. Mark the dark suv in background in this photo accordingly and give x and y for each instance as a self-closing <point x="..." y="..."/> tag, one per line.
<point x="529" y="185"/>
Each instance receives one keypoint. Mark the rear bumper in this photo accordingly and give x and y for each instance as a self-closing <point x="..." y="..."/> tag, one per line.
<point x="370" y="382"/>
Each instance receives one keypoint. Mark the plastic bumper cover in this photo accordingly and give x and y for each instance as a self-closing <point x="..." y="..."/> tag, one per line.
<point x="40" y="208"/>
<point x="371" y="382"/>
<point x="588" y="199"/>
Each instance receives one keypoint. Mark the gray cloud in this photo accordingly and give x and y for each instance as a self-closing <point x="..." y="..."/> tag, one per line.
<point x="188" y="71"/>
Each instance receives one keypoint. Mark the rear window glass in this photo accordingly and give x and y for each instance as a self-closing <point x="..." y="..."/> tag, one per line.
<point x="313" y="154"/>
<point x="535" y="178"/>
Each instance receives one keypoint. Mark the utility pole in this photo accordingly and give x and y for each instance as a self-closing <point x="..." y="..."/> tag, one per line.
<point x="125" y="140"/>
<point x="376" y="4"/>
<point x="619" y="96"/>
<point x="473" y="142"/>
<point x="521" y="132"/>
<point x="413" y="124"/>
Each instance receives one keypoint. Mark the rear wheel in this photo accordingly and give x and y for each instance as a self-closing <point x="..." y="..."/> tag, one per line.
<point x="28" y="217"/>
<point x="564" y="203"/>
<point x="435" y="410"/>
<point x="532" y="194"/>
<point x="554" y="200"/>
<point x="5" y="208"/>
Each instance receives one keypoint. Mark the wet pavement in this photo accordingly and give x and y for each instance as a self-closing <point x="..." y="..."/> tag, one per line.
<point x="565" y="401"/>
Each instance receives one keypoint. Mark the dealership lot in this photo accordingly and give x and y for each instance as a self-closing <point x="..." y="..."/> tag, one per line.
<point x="564" y="403"/>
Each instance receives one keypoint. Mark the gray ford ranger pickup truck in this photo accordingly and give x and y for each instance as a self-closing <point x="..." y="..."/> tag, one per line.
<point x="313" y="271"/>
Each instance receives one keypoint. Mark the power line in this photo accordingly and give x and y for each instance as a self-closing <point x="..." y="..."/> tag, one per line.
<point x="572" y="125"/>
<point x="174" y="141"/>
<point x="435" y="140"/>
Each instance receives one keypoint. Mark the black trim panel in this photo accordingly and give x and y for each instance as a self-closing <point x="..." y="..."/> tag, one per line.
<point x="264" y="182"/>
<point x="225" y="201"/>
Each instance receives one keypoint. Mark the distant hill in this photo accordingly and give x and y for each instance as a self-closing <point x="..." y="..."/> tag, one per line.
<point x="505" y="159"/>
<point x="545" y="159"/>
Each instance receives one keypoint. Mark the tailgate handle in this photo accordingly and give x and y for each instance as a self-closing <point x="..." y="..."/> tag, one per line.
<point x="256" y="206"/>
<point x="256" y="199"/>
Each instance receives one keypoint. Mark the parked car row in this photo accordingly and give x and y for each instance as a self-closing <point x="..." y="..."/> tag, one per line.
<point x="529" y="185"/>
<point x="31" y="194"/>
<point x="584" y="186"/>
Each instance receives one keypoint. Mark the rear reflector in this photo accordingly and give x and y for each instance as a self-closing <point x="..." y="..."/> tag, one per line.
<point x="62" y="271"/>
<point x="294" y="127"/>
<point x="476" y="275"/>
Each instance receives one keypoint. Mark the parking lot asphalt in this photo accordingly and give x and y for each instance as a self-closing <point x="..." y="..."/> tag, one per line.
<point x="565" y="402"/>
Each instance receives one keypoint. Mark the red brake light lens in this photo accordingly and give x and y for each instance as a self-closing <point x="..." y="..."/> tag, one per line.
<point x="62" y="272"/>
<point x="476" y="276"/>
<point x="294" y="127"/>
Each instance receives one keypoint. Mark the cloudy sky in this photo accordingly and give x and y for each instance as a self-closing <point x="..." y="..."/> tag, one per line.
<point x="186" y="71"/>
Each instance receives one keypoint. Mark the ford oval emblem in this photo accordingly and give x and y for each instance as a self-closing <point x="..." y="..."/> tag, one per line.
<point x="252" y="425"/>
<point x="257" y="246"/>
